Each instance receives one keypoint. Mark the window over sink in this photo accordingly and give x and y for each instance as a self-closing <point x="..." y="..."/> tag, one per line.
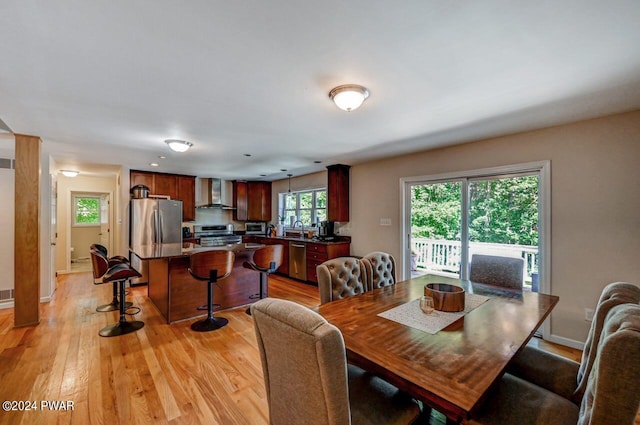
<point x="308" y="206"/>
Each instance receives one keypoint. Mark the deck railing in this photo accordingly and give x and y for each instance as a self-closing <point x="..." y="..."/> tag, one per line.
<point x="443" y="257"/>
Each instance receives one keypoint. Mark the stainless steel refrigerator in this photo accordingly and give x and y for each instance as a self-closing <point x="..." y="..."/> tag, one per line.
<point x="153" y="221"/>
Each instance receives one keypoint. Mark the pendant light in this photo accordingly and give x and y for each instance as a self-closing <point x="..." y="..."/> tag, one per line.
<point x="289" y="175"/>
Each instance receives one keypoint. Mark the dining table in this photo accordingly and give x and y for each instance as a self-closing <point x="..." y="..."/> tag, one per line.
<point x="453" y="369"/>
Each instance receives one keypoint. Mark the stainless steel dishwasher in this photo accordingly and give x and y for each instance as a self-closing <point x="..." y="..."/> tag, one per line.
<point x="298" y="260"/>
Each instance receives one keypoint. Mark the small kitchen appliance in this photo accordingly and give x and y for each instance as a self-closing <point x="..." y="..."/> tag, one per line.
<point x="326" y="230"/>
<point x="255" y="228"/>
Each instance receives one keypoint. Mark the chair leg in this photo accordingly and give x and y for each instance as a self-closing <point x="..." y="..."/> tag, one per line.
<point x="260" y="294"/>
<point x="114" y="304"/>
<point x="122" y="327"/>
<point x="210" y="323"/>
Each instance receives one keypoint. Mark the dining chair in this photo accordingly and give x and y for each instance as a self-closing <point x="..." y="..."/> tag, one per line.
<point x="495" y="270"/>
<point x="563" y="376"/>
<point x="381" y="269"/>
<point x="612" y="391"/>
<point x="307" y="378"/>
<point x="341" y="277"/>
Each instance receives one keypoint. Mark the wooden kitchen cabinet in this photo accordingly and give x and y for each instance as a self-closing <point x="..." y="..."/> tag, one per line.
<point x="252" y="201"/>
<point x="318" y="253"/>
<point x="175" y="186"/>
<point x="187" y="194"/>
<point x="259" y="201"/>
<point x="338" y="192"/>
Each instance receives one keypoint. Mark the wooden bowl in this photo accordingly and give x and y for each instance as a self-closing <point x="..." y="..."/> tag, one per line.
<point x="445" y="297"/>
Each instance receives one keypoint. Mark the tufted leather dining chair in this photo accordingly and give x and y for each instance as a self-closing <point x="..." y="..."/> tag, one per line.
<point x="381" y="269"/>
<point x="341" y="277"/>
<point x="307" y="378"/>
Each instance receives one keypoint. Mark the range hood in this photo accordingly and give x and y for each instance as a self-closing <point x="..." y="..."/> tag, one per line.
<point x="212" y="194"/>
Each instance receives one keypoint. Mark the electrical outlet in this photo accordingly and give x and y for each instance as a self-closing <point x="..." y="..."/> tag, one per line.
<point x="588" y="314"/>
<point x="385" y="222"/>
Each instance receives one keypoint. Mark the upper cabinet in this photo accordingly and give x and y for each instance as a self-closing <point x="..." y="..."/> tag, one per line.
<point x="338" y="192"/>
<point x="252" y="201"/>
<point x="175" y="186"/>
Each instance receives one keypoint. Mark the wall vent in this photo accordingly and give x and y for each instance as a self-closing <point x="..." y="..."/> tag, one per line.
<point x="7" y="163"/>
<point x="6" y="294"/>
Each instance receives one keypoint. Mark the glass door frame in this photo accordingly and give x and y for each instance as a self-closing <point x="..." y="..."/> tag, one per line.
<point x="541" y="168"/>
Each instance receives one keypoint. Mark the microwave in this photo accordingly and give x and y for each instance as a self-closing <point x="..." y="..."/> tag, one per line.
<point x="255" y="228"/>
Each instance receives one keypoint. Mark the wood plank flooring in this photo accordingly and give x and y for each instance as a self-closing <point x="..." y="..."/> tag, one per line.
<point x="162" y="374"/>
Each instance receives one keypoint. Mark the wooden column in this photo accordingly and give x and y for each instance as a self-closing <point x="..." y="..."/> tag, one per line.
<point x="27" y="231"/>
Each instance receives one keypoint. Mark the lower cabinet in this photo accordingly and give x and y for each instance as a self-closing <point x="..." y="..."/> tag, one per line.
<point x="318" y="253"/>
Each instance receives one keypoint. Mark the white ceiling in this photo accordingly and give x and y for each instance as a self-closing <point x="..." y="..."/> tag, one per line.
<point x="106" y="82"/>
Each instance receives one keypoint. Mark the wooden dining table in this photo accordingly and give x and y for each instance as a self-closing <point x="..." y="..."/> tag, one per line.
<point x="452" y="370"/>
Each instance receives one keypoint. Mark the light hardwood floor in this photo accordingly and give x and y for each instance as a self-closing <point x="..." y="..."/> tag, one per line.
<point x="162" y="374"/>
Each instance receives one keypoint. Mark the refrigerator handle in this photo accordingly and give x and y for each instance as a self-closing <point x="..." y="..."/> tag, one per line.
<point x="155" y="226"/>
<point x="160" y="226"/>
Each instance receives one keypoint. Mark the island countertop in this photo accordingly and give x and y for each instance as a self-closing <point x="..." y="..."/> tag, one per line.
<point x="171" y="250"/>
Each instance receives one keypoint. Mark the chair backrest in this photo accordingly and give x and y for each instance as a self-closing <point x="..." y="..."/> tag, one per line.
<point x="99" y="263"/>
<point x="304" y="364"/>
<point x="500" y="271"/>
<point x="612" y="394"/>
<point x="341" y="277"/>
<point x="100" y="248"/>
<point x="263" y="257"/>
<point x="203" y="262"/>
<point x="381" y="269"/>
<point x="612" y="295"/>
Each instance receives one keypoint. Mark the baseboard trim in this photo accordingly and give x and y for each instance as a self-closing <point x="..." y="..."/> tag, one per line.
<point x="8" y="304"/>
<point x="566" y="342"/>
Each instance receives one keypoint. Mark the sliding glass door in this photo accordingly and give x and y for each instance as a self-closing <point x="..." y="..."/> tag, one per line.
<point x="448" y="218"/>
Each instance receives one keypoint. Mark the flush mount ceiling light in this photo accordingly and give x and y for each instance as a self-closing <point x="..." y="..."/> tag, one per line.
<point x="69" y="173"/>
<point x="349" y="96"/>
<point x="178" y="145"/>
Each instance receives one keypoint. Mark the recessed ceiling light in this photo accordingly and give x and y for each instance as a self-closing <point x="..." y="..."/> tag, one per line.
<point x="153" y="164"/>
<point x="317" y="162"/>
<point x="263" y="175"/>
<point x="162" y="157"/>
<point x="247" y="154"/>
<point x="283" y="169"/>
<point x="348" y="96"/>
<point x="69" y="173"/>
<point x="178" y="145"/>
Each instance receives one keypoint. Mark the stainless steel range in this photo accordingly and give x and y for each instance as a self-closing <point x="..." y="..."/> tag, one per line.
<point x="216" y="234"/>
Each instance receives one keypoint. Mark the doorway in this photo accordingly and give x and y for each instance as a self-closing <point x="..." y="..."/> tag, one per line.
<point x="90" y="223"/>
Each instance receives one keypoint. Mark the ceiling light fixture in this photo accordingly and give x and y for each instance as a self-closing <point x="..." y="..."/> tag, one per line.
<point x="349" y="96"/>
<point x="69" y="173"/>
<point x="289" y="175"/>
<point x="178" y="145"/>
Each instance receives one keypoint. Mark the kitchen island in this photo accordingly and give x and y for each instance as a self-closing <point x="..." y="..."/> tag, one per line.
<point x="177" y="295"/>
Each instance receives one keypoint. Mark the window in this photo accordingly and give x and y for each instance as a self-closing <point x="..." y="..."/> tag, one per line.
<point x="308" y="206"/>
<point x="86" y="211"/>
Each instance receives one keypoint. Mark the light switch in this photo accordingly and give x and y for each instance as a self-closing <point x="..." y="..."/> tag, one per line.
<point x="385" y="222"/>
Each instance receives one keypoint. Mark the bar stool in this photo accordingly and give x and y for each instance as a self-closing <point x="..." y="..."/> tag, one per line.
<point x="100" y="264"/>
<point x="103" y="251"/>
<point x="210" y="266"/>
<point x="119" y="274"/>
<point x="265" y="261"/>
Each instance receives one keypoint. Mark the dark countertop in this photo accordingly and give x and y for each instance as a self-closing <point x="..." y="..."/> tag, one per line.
<point x="169" y="250"/>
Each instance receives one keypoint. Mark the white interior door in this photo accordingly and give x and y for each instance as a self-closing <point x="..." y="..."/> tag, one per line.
<point x="53" y="231"/>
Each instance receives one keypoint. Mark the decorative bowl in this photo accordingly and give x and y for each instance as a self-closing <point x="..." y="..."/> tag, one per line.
<point x="445" y="297"/>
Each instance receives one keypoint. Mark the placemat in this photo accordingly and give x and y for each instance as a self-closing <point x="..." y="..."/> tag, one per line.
<point x="409" y="314"/>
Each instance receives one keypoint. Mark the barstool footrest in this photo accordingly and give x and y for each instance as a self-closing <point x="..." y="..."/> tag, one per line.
<point x="112" y="306"/>
<point x="206" y="307"/>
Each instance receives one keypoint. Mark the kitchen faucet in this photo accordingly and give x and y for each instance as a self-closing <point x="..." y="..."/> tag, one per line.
<point x="301" y="227"/>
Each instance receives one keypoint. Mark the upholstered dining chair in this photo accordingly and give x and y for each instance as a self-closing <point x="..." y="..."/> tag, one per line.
<point x="341" y="277"/>
<point x="564" y="376"/>
<point x="381" y="269"/>
<point x="612" y="391"/>
<point x="495" y="270"/>
<point x="307" y="378"/>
